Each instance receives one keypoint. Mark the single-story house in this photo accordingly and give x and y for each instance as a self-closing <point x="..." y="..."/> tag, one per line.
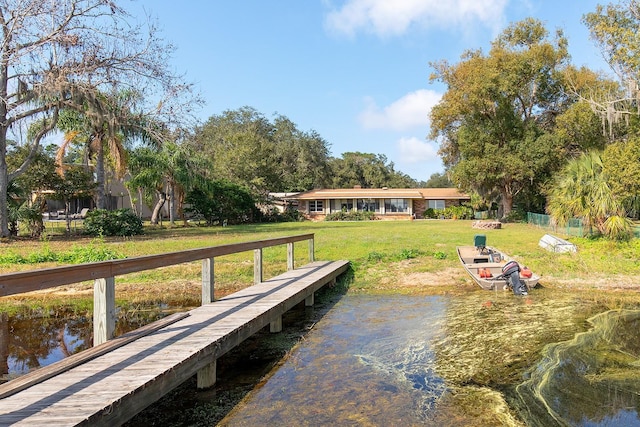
<point x="387" y="203"/>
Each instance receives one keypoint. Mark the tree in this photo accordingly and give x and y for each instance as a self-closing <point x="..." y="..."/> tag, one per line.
<point x="72" y="182"/>
<point x="438" y="180"/>
<point x="63" y="54"/>
<point x="582" y="190"/>
<point x="622" y="162"/>
<point x="367" y="170"/>
<point x="103" y="134"/>
<point x="301" y="158"/>
<point x="239" y="144"/>
<point x="221" y="201"/>
<point x="22" y="206"/>
<point x="167" y="172"/>
<point x="244" y="147"/>
<point x="614" y="29"/>
<point x="497" y="107"/>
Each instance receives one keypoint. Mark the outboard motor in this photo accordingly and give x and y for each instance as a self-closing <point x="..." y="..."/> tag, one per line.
<point x="511" y="272"/>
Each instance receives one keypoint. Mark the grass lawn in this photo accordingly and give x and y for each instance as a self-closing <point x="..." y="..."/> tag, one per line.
<point x="387" y="256"/>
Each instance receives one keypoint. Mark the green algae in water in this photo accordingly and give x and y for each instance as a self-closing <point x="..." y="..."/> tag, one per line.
<point x="489" y="341"/>
<point x="592" y="379"/>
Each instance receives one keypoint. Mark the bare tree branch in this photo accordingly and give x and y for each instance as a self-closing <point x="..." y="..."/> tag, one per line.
<point x="64" y="53"/>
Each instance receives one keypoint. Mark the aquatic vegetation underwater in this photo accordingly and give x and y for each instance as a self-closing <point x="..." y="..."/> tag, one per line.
<point x="538" y="361"/>
<point x="594" y="377"/>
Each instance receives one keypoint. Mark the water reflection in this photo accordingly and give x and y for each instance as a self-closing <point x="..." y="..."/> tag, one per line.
<point x="32" y="340"/>
<point x="369" y="363"/>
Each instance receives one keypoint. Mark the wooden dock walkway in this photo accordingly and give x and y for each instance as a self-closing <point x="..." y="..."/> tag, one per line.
<point x="112" y="387"/>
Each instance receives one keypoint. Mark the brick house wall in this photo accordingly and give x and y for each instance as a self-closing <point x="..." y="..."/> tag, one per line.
<point x="419" y="206"/>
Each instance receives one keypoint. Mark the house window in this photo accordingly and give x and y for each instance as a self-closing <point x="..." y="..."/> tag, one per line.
<point x="396" y="205"/>
<point x="316" y="205"/>
<point x="342" y="205"/>
<point x="368" y="205"/>
<point x="436" y="204"/>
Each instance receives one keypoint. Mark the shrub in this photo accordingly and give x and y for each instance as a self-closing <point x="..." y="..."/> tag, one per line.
<point x="430" y="213"/>
<point x="618" y="228"/>
<point x="274" y="215"/>
<point x="121" y="222"/>
<point x="515" y="216"/>
<point x="451" y="212"/>
<point x="220" y="202"/>
<point x="351" y="216"/>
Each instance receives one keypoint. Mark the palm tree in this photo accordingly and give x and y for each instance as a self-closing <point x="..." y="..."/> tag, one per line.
<point x="168" y="170"/>
<point x="103" y="126"/>
<point x="581" y="190"/>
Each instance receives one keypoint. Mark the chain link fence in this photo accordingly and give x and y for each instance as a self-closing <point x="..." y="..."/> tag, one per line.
<point x="572" y="228"/>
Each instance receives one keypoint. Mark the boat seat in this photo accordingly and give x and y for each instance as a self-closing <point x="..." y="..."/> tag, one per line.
<point x="480" y="242"/>
<point x="486" y="265"/>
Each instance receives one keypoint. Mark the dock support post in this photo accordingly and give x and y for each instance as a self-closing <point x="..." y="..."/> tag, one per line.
<point x="308" y="301"/>
<point x="207" y="375"/>
<point x="104" y="309"/>
<point x="257" y="266"/>
<point x="312" y="256"/>
<point x="207" y="281"/>
<point x="290" y="265"/>
<point x="276" y="325"/>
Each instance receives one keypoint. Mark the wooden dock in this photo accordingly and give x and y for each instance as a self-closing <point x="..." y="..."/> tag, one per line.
<point x="115" y="385"/>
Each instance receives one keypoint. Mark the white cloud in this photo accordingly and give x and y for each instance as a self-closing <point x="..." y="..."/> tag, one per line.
<point x="392" y="18"/>
<point x="410" y="111"/>
<point x="414" y="150"/>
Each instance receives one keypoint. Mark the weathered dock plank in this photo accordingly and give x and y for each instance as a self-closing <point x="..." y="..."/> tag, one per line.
<point x="113" y="387"/>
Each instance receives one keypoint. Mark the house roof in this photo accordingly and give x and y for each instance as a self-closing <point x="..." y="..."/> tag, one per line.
<point x="382" y="193"/>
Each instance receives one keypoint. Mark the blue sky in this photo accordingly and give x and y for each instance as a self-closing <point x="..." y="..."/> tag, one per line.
<point x="355" y="71"/>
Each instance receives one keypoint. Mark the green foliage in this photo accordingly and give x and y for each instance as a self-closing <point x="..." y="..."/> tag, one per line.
<point x="93" y="252"/>
<point x="375" y="256"/>
<point x="621" y="160"/>
<point x="515" y="216"/>
<point x="440" y="255"/>
<point x="430" y="213"/>
<point x="614" y="28"/>
<point x="491" y="120"/>
<point x="409" y="254"/>
<point x="8" y="258"/>
<point x="244" y="147"/>
<point x="579" y="129"/>
<point x="351" y="216"/>
<point x="368" y="171"/>
<point x="451" y="212"/>
<point x="618" y="228"/>
<point x="438" y="180"/>
<point x="581" y="190"/>
<point x="31" y="217"/>
<point x="121" y="222"/>
<point x="221" y="201"/>
<point x="274" y="215"/>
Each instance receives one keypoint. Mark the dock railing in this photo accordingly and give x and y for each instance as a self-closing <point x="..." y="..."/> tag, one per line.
<point x="103" y="274"/>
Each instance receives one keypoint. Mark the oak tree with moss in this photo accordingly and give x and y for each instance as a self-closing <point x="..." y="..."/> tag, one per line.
<point x="63" y="54"/>
<point x="492" y="119"/>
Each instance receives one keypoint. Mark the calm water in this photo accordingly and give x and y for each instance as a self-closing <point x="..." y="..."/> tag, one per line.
<point x="482" y="359"/>
<point x="368" y="362"/>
